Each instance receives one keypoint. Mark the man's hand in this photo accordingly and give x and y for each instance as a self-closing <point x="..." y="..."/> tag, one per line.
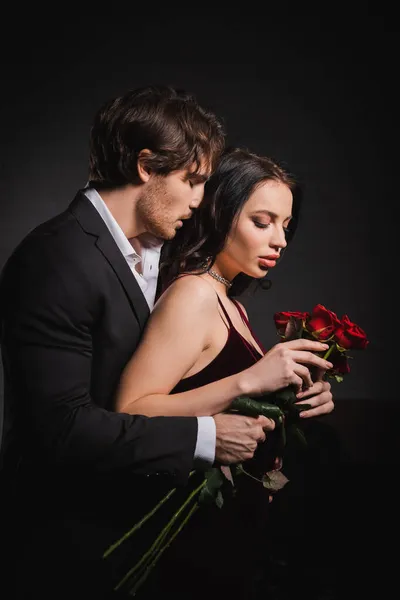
<point x="319" y="396"/>
<point x="238" y="436"/>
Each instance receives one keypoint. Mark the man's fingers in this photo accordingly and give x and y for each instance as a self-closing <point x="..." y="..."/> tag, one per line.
<point x="266" y="423"/>
<point x="261" y="437"/>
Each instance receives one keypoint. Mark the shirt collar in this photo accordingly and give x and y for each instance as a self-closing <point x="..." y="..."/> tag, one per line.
<point x="120" y="238"/>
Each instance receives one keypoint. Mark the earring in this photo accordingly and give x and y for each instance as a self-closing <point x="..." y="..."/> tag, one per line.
<point x="207" y="263"/>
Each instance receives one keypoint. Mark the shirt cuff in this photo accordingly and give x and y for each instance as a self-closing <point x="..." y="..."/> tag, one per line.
<point x="204" y="454"/>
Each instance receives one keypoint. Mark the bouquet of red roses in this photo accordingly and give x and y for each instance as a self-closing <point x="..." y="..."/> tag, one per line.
<point x="323" y="325"/>
<point x="342" y="336"/>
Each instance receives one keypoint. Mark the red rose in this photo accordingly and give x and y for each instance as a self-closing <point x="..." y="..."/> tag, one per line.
<point x="322" y="323"/>
<point x="282" y="318"/>
<point x="340" y="364"/>
<point x="350" y="336"/>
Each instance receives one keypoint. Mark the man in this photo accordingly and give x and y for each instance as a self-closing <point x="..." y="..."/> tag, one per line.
<point x="74" y="298"/>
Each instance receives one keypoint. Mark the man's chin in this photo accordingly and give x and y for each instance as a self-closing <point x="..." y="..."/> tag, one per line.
<point x="171" y="233"/>
<point x="163" y="234"/>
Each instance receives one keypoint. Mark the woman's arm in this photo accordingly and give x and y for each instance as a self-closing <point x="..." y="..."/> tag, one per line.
<point x="178" y="331"/>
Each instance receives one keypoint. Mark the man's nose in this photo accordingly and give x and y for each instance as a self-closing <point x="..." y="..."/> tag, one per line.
<point x="195" y="203"/>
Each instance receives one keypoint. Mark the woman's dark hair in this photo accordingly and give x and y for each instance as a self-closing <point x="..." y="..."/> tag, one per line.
<point x="169" y="122"/>
<point x="196" y="246"/>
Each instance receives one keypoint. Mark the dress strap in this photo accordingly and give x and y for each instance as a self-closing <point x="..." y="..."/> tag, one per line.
<point x="247" y="323"/>
<point x="225" y="312"/>
<point x="241" y="312"/>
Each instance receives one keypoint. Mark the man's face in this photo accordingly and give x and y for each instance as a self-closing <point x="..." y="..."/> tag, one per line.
<point x="166" y="201"/>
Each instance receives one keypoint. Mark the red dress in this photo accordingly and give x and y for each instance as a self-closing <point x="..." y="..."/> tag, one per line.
<point x="237" y="354"/>
<point x="217" y="551"/>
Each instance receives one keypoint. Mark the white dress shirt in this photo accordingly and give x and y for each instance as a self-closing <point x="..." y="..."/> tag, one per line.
<point x="144" y="266"/>
<point x="146" y="276"/>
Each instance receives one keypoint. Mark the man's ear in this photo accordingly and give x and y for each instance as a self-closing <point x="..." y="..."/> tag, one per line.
<point x="144" y="170"/>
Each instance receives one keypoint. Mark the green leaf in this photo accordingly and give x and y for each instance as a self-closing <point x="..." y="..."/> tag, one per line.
<point x="274" y="480"/>
<point x="238" y="469"/>
<point x="219" y="500"/>
<point x="214" y="481"/>
<point x="283" y="398"/>
<point x="299" y="434"/>
<point x="245" y="406"/>
<point x="252" y="407"/>
<point x="283" y="436"/>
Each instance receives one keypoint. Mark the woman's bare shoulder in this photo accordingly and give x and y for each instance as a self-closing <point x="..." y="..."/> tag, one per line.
<point x="191" y="291"/>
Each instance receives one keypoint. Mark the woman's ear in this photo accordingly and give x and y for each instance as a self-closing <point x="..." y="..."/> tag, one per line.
<point x="144" y="170"/>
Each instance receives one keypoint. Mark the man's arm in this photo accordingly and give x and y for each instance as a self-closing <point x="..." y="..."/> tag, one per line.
<point x="46" y="347"/>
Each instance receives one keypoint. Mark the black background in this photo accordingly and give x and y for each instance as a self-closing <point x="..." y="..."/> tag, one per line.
<point x="317" y="92"/>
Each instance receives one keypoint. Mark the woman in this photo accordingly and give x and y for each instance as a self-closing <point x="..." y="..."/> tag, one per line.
<point x="248" y="216"/>
<point x="199" y="334"/>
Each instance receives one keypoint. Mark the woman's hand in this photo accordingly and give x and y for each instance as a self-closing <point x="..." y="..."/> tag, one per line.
<point x="319" y="397"/>
<point x="284" y="365"/>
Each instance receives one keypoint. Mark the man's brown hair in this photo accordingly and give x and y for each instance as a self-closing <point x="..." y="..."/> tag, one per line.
<point x="168" y="122"/>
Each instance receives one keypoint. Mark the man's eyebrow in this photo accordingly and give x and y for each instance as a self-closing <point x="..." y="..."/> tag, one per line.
<point x="270" y="213"/>
<point x="197" y="177"/>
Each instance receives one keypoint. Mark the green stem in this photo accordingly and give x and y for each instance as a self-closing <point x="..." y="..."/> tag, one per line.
<point x="145" y="563"/>
<point x="138" y="525"/>
<point x="283" y="435"/>
<point x="143" y="578"/>
<point x="160" y="537"/>
<point x="251" y="476"/>
<point x="329" y="351"/>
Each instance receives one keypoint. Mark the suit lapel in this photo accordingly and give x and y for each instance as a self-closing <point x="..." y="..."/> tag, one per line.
<point x="93" y="224"/>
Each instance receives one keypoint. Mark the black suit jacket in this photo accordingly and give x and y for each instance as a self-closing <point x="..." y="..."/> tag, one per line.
<point x="72" y="314"/>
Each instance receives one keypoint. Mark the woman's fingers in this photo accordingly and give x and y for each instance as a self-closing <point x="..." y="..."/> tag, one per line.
<point x="304" y="344"/>
<point x="305" y="380"/>
<point x="309" y="358"/>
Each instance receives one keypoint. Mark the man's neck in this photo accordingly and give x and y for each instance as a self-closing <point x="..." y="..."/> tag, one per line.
<point x="121" y="203"/>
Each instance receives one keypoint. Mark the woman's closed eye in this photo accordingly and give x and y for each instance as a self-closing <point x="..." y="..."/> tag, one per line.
<point x="261" y="225"/>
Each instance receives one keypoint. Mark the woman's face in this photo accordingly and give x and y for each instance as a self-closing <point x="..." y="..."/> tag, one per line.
<point x="258" y="235"/>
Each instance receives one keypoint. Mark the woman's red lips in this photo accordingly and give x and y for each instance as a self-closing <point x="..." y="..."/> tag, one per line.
<point x="268" y="261"/>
